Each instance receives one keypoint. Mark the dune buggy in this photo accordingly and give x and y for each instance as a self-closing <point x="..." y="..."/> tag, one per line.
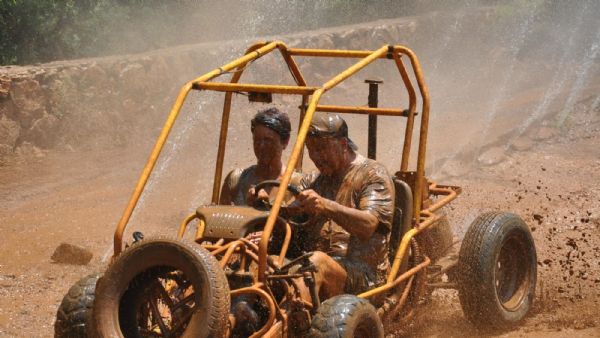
<point x="228" y="282"/>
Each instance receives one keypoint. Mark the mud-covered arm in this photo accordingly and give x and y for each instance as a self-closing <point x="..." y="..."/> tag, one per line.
<point x="360" y="223"/>
<point x="373" y="201"/>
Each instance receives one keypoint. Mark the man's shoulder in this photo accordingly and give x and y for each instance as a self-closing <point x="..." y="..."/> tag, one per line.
<point x="370" y="167"/>
<point x="237" y="174"/>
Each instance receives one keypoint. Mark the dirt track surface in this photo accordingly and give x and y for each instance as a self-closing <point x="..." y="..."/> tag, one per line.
<point x="553" y="183"/>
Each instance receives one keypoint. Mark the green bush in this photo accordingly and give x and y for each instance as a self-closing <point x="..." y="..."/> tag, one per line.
<point x="45" y="30"/>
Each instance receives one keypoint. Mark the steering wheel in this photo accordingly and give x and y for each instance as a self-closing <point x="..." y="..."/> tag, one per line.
<point x="275" y="183"/>
<point x="295" y="220"/>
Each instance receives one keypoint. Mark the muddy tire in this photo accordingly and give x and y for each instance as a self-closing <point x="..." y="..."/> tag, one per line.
<point x="346" y="316"/>
<point x="162" y="285"/>
<point x="497" y="271"/>
<point x="75" y="310"/>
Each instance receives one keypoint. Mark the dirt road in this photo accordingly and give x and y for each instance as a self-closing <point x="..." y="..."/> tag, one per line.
<point x="550" y="176"/>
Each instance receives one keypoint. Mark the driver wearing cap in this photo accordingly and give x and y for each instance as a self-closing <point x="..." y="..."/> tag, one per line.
<point x="351" y="202"/>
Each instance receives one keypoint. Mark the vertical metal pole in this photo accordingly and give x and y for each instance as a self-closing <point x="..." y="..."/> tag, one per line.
<point x="303" y="107"/>
<point x="373" y="102"/>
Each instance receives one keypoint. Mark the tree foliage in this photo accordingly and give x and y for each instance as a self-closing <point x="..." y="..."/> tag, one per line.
<point x="34" y="31"/>
<point x="45" y="30"/>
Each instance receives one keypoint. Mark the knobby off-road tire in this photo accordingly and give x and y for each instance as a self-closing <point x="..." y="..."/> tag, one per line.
<point x="497" y="270"/>
<point x="346" y="316"/>
<point x="75" y="310"/>
<point x="116" y="309"/>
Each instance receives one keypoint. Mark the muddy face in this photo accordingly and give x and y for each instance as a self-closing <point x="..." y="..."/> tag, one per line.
<point x="327" y="153"/>
<point x="267" y="145"/>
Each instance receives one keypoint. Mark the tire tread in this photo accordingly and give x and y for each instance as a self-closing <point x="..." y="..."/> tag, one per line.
<point x="219" y="300"/>
<point x="331" y="320"/>
<point x="476" y="295"/>
<point x="75" y="308"/>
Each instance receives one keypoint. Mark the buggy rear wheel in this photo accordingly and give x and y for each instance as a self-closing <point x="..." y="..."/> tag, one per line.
<point x="497" y="270"/>
<point x="162" y="287"/>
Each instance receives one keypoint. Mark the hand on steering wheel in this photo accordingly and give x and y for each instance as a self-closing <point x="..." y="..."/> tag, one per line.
<point x="262" y="203"/>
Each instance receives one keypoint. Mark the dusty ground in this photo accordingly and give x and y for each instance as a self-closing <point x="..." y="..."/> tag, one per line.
<point x="554" y="184"/>
<point x="551" y="178"/>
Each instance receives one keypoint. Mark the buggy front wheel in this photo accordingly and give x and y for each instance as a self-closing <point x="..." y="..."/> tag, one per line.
<point x="346" y="316"/>
<point x="162" y="288"/>
<point x="74" y="312"/>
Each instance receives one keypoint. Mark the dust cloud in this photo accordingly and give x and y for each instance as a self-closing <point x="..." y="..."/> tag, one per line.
<point x="525" y="64"/>
<point x="160" y="25"/>
<point x="514" y="78"/>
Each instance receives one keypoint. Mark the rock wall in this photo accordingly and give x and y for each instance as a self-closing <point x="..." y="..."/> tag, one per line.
<point x="107" y="102"/>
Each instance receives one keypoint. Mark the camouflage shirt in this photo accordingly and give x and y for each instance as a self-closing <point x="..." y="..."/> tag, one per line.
<point x="365" y="186"/>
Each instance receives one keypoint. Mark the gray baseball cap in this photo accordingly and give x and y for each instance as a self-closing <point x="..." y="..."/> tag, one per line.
<point x="330" y="125"/>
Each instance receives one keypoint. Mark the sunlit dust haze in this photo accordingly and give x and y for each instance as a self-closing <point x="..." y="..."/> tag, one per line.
<point x="494" y="69"/>
<point x="514" y="89"/>
<point x="528" y="63"/>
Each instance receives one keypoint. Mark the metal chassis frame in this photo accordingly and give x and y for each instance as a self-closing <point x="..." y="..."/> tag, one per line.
<point x="310" y="99"/>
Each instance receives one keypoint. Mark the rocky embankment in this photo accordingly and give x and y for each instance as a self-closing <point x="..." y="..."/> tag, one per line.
<point x="109" y="101"/>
